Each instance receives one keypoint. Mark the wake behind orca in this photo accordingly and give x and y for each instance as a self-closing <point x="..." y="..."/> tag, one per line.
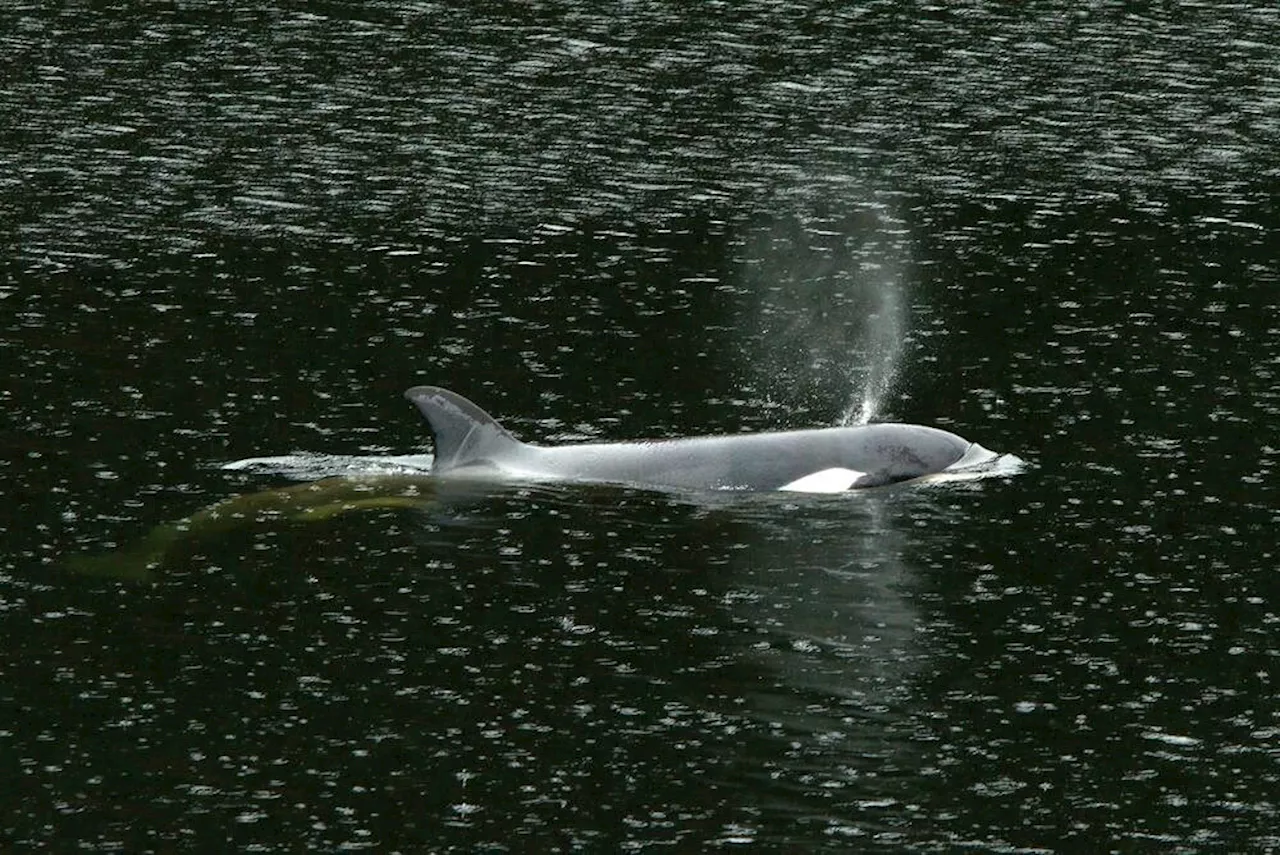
<point x="470" y="443"/>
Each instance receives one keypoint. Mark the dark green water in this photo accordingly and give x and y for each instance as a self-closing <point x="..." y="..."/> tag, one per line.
<point x="234" y="234"/>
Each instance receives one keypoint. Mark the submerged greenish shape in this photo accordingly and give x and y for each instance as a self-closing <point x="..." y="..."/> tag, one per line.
<point x="304" y="503"/>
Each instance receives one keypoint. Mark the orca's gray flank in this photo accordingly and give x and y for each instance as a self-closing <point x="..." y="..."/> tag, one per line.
<point x="469" y="442"/>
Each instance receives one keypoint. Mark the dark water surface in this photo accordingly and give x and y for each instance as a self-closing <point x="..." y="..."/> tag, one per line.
<point x="241" y="233"/>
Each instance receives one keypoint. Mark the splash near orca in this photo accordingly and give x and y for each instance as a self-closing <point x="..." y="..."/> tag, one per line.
<point x="470" y="443"/>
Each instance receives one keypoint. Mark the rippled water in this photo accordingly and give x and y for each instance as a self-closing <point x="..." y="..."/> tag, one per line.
<point x="242" y="233"/>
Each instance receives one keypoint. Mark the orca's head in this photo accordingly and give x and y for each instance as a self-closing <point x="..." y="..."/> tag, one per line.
<point x="893" y="453"/>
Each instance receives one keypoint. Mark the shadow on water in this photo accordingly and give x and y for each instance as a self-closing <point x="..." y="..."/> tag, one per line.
<point x="701" y="673"/>
<point x="709" y="673"/>
<point x="570" y="661"/>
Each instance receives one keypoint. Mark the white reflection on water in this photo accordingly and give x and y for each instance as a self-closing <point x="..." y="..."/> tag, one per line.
<point x="311" y="466"/>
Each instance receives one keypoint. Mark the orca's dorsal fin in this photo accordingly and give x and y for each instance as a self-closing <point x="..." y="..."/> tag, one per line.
<point x="463" y="432"/>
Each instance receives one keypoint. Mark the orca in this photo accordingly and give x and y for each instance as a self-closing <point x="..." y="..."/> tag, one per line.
<point x="470" y="443"/>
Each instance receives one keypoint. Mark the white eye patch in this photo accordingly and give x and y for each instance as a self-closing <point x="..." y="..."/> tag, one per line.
<point x="835" y="480"/>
